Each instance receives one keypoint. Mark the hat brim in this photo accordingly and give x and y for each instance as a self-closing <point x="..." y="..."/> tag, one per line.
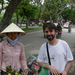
<point x="13" y="28"/>
<point x="22" y="33"/>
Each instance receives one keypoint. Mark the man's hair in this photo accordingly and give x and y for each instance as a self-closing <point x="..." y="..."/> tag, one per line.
<point x="50" y="26"/>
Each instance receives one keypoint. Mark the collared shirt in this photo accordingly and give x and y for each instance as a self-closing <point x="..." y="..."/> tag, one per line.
<point x="14" y="56"/>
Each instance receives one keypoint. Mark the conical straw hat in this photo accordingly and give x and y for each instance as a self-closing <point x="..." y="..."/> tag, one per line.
<point x="12" y="28"/>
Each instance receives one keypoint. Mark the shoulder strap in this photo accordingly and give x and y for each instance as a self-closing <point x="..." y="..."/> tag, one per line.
<point x="48" y="54"/>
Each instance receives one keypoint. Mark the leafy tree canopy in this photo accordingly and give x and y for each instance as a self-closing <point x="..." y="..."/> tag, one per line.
<point x="27" y="9"/>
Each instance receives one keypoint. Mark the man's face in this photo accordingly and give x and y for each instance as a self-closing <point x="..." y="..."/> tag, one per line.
<point x="50" y="34"/>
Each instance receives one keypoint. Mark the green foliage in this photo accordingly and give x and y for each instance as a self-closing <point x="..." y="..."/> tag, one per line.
<point x="68" y="14"/>
<point x="72" y="16"/>
<point x="51" y="8"/>
<point x="34" y="28"/>
<point x="27" y="9"/>
<point x="54" y="8"/>
<point x="1" y="16"/>
<point x="13" y="18"/>
<point x="1" y="1"/>
<point x="9" y="71"/>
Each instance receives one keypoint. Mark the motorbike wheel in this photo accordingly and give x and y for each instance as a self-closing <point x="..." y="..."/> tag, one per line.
<point x="69" y="30"/>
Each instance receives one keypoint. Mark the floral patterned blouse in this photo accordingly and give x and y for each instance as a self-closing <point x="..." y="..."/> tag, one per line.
<point x="14" y="56"/>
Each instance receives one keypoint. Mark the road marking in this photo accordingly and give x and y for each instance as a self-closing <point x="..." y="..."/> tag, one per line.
<point x="27" y="45"/>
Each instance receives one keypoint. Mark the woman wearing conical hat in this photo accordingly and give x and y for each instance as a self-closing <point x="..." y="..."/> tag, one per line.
<point x="12" y="51"/>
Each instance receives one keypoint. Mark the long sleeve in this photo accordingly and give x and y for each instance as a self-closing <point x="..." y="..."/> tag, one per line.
<point x="23" y="59"/>
<point x="14" y="56"/>
<point x="0" y="57"/>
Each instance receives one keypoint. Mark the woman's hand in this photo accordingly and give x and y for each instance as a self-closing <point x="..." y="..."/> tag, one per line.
<point x="26" y="72"/>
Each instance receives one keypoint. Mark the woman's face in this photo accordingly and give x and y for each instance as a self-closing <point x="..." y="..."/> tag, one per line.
<point x="13" y="35"/>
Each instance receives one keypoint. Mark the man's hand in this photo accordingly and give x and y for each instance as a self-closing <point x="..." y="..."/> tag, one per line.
<point x="64" y="73"/>
<point x="53" y="70"/>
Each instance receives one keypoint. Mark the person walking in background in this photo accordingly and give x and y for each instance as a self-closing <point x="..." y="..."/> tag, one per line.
<point x="69" y="27"/>
<point x="12" y="51"/>
<point x="59" y="30"/>
<point x="60" y="54"/>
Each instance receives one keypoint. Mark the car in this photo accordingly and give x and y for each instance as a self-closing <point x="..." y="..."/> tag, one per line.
<point x="66" y="25"/>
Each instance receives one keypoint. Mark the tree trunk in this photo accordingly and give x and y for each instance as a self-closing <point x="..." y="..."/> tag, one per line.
<point x="27" y="22"/>
<point x="17" y="18"/>
<point x="9" y="13"/>
<point x="21" y="22"/>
